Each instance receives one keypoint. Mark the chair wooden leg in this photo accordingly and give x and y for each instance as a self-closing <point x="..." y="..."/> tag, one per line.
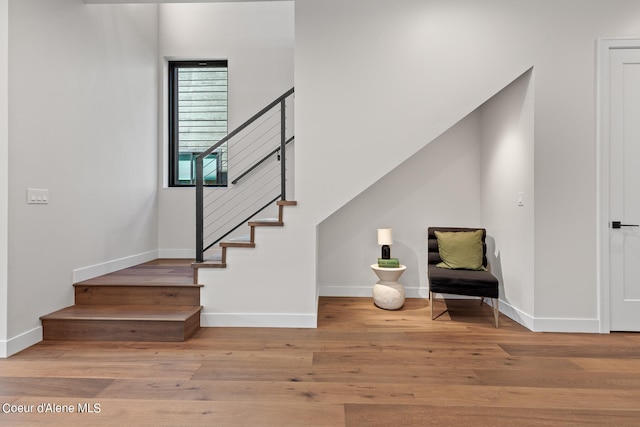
<point x="495" y="309"/>
<point x="431" y="303"/>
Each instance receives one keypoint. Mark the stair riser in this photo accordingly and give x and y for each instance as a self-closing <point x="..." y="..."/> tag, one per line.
<point x="120" y="330"/>
<point x="140" y="295"/>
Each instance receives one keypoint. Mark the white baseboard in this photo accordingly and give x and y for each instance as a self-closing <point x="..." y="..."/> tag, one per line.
<point x="589" y="326"/>
<point x="177" y="253"/>
<point x="254" y="320"/>
<point x="526" y="320"/>
<point x="86" y="273"/>
<point x="345" y="291"/>
<point x="19" y="343"/>
<point x="539" y="324"/>
<point x="514" y="314"/>
<point x="367" y="291"/>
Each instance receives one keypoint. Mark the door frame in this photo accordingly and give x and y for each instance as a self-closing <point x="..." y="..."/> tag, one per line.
<point x="603" y="144"/>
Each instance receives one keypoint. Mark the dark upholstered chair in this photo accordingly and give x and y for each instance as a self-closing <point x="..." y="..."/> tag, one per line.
<point x="481" y="284"/>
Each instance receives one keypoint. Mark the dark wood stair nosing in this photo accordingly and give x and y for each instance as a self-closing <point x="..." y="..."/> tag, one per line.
<point x="237" y="245"/>
<point x="266" y="224"/>
<point x="209" y="264"/>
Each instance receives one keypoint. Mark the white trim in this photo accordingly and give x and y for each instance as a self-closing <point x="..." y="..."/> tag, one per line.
<point x="515" y="314"/>
<point x="162" y="1"/>
<point x="19" y="343"/>
<point x="4" y="173"/>
<point x="86" y="273"/>
<point x="367" y="291"/>
<point x="177" y="253"/>
<point x="589" y="326"/>
<point x="346" y="291"/>
<point x="546" y="324"/>
<point x="602" y="171"/>
<point x="265" y="320"/>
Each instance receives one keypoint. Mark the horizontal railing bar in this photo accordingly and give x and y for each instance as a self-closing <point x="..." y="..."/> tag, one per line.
<point x="261" y="161"/>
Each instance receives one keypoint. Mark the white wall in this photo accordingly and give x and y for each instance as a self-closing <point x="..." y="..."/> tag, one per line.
<point x="387" y="74"/>
<point x="4" y="172"/>
<point x="438" y="186"/>
<point x="271" y="285"/>
<point x="82" y="123"/>
<point x="507" y="153"/>
<point x="402" y="72"/>
<point x="257" y="40"/>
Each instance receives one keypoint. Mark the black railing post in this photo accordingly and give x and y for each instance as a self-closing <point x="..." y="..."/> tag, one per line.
<point x="283" y="148"/>
<point x="199" y="209"/>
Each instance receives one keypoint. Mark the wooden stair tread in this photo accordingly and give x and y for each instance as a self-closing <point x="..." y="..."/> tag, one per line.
<point x="266" y="223"/>
<point x="163" y="313"/>
<point x="209" y="264"/>
<point x="237" y="245"/>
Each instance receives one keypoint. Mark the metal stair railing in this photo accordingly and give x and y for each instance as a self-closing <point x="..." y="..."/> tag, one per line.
<point x="256" y="172"/>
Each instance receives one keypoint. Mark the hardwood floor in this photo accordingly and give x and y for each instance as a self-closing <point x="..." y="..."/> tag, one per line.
<point x="363" y="366"/>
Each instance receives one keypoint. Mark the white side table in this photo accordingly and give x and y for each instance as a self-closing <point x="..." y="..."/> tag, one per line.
<point x="387" y="292"/>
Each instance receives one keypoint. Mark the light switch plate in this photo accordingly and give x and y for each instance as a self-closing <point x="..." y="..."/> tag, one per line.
<point x="37" y="196"/>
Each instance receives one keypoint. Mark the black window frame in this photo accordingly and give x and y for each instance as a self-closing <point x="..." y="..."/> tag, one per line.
<point x="173" y="128"/>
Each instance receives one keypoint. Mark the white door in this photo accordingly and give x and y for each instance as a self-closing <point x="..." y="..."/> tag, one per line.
<point x="624" y="189"/>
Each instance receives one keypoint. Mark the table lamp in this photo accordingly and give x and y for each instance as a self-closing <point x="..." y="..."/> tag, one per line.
<point x="385" y="238"/>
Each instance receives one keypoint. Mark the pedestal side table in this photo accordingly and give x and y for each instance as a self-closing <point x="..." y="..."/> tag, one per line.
<point x="387" y="292"/>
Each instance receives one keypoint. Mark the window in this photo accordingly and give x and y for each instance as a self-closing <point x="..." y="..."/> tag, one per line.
<point x="197" y="120"/>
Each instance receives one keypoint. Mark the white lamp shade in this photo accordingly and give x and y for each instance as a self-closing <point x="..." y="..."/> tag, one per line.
<point x="385" y="236"/>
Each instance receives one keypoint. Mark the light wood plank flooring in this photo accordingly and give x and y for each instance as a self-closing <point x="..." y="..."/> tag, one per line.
<point x="363" y="366"/>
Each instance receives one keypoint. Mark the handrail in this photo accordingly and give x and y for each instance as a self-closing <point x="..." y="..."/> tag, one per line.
<point x="259" y="162"/>
<point x="244" y="125"/>
<point x="201" y="245"/>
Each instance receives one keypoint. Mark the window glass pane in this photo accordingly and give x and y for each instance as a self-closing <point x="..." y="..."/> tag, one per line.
<point x="199" y="119"/>
<point x="184" y="167"/>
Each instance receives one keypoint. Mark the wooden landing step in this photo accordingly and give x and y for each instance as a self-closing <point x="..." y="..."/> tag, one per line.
<point x="127" y="322"/>
<point x="147" y="293"/>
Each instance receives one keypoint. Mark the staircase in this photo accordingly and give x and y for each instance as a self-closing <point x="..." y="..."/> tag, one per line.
<point x="257" y="152"/>
<point x="123" y="307"/>
<point x="155" y="301"/>
<point x="219" y="259"/>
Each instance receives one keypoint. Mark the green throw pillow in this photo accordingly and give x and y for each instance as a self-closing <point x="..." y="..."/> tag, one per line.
<point x="460" y="249"/>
